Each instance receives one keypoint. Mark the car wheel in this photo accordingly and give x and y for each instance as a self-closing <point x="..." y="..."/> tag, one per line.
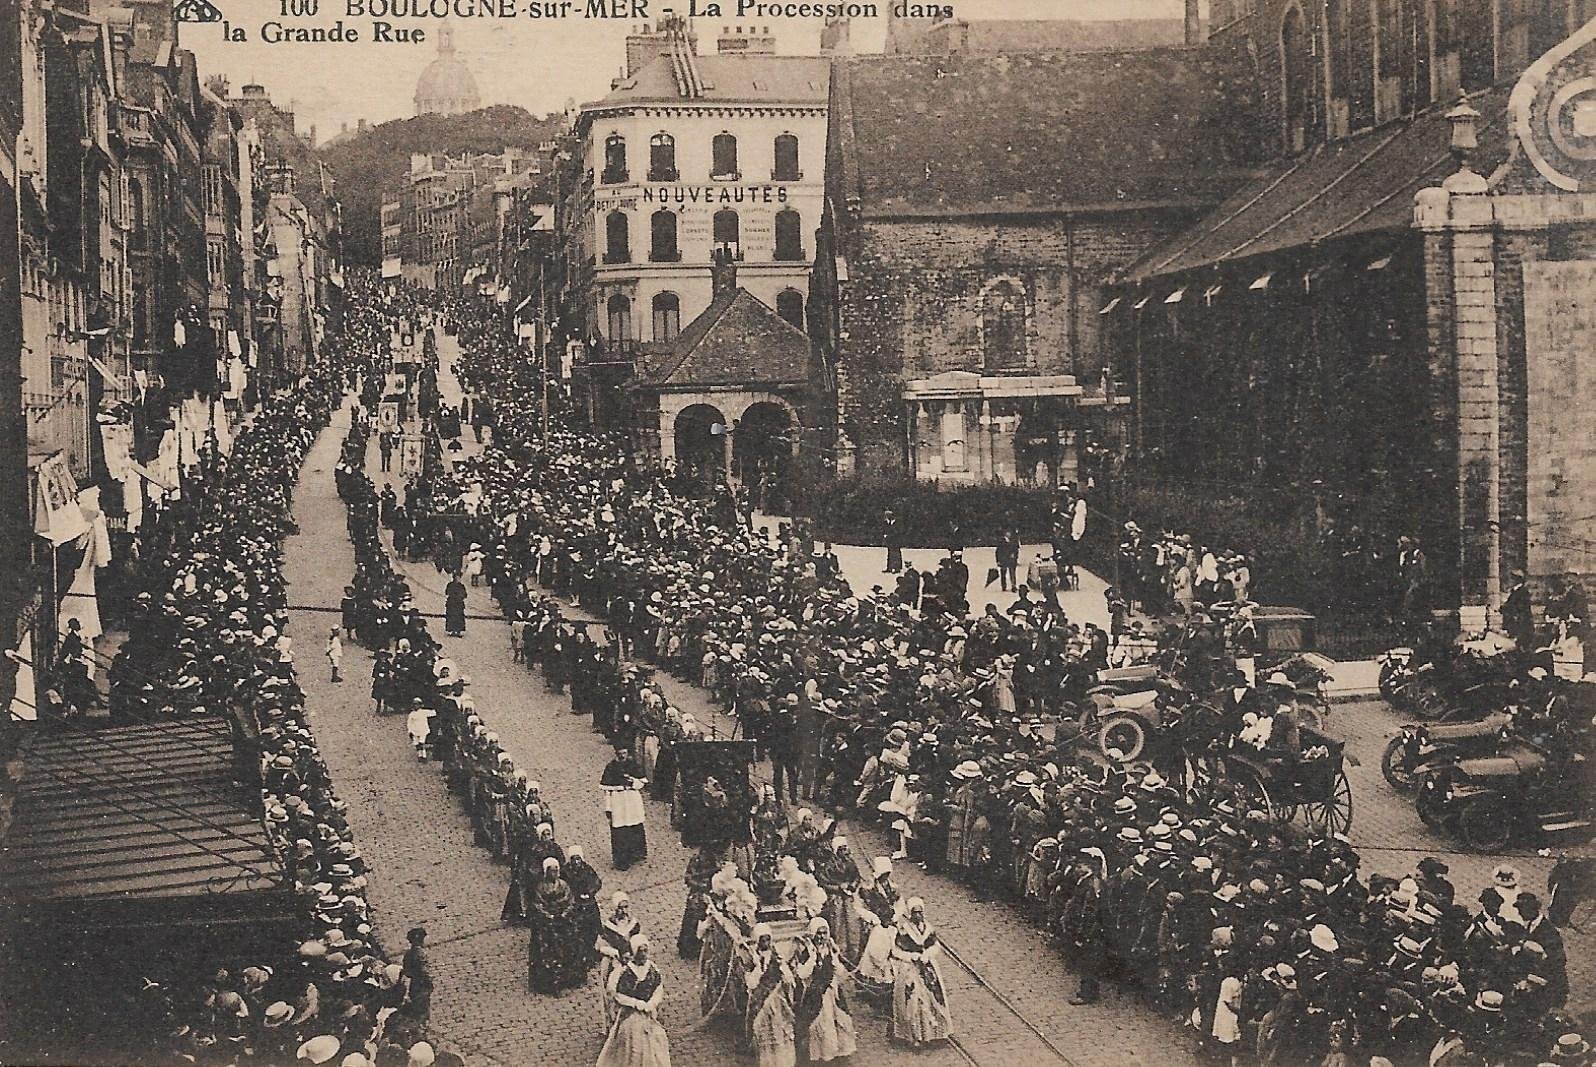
<point x="1485" y="825"/>
<point x="1395" y="766"/>
<point x="1123" y="732"/>
<point x="1430" y="809"/>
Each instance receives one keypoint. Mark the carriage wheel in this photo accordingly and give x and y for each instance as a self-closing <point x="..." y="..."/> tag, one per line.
<point x="1254" y="793"/>
<point x="1202" y="770"/>
<point x="1333" y="813"/>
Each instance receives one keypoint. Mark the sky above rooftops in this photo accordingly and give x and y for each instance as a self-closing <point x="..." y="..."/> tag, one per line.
<point x="538" y="65"/>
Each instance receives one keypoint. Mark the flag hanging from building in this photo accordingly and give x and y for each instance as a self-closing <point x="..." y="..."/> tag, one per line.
<point x="58" y="516"/>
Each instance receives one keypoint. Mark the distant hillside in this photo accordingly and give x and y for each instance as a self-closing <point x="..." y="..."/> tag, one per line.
<point x="367" y="163"/>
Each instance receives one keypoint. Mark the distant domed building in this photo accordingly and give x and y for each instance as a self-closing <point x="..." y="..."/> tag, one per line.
<point x="446" y="86"/>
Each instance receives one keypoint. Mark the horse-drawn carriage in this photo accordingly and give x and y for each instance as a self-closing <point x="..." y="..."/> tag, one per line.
<point x="1146" y="714"/>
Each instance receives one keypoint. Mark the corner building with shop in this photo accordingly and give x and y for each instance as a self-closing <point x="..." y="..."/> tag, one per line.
<point x="689" y="155"/>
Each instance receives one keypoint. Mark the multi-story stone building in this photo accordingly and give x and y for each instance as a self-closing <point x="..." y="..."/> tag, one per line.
<point x="1390" y="327"/>
<point x="686" y="155"/>
<point x="223" y="190"/>
<point x="976" y="206"/>
<point x="16" y="487"/>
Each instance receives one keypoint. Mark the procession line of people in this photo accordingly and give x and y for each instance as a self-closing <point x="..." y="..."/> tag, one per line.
<point x="208" y="631"/>
<point x="941" y="726"/>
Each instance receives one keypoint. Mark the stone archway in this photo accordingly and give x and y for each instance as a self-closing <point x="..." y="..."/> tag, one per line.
<point x="698" y="432"/>
<point x="763" y="451"/>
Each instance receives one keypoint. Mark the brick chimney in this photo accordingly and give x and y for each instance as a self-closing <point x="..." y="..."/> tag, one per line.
<point x="722" y="273"/>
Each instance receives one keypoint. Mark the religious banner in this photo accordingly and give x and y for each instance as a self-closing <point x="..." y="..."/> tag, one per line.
<point x="388" y="417"/>
<point x="116" y="441"/>
<point x="411" y="452"/>
<point x="58" y="516"/>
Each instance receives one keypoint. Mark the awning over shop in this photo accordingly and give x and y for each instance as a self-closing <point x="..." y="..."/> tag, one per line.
<point x="134" y="813"/>
<point x="1363" y="184"/>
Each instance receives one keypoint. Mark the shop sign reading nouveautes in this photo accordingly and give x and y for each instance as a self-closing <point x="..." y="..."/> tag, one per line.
<point x="696" y="194"/>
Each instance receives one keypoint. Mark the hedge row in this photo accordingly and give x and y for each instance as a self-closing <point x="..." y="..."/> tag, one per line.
<point x="1287" y="561"/>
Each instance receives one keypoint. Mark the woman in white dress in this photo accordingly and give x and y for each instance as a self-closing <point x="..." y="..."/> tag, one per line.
<point x="769" y="1022"/>
<point x="878" y="907"/>
<point x="636" y="1038"/>
<point x="825" y="1029"/>
<point x="919" y="995"/>
<point x="614" y="946"/>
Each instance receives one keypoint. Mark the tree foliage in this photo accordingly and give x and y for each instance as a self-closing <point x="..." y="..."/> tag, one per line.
<point x="369" y="162"/>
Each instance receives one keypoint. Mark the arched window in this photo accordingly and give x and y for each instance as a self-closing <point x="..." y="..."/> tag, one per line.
<point x="1297" y="107"/>
<point x="1336" y="48"/>
<point x="1472" y="29"/>
<point x="662" y="232"/>
<point x="1394" y="22"/>
<point x="786" y="169"/>
<point x="1549" y="23"/>
<point x="790" y="306"/>
<point x="615" y="159"/>
<point x="617" y="238"/>
<point x="728" y="231"/>
<point x="620" y="316"/>
<point x="789" y="235"/>
<point x="667" y="316"/>
<point x="1003" y="327"/>
<point x="662" y="158"/>
<point x="723" y="152"/>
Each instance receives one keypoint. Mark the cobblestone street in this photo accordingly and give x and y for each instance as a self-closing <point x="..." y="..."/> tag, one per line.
<point x="1009" y="988"/>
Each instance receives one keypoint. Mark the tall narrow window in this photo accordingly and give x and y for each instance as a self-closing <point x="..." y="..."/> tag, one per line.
<point x="1003" y="327"/>
<point x="786" y="169"/>
<point x="1295" y="73"/>
<point x="790" y="306"/>
<point x="1548" y="25"/>
<point x="723" y="152"/>
<point x="1336" y="56"/>
<point x="662" y="158"/>
<point x="662" y="233"/>
<point x="1472" y="31"/>
<point x="789" y="235"/>
<point x="667" y="316"/>
<point x="617" y="238"/>
<point x="135" y="199"/>
<point x="620" y="316"/>
<point x="727" y="230"/>
<point x="615" y="160"/>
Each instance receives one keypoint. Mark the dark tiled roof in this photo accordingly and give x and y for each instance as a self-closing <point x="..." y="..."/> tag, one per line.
<point x="737" y="340"/>
<point x="1050" y="35"/>
<point x="759" y="79"/>
<point x="943" y="135"/>
<point x="135" y="811"/>
<point x="1364" y="184"/>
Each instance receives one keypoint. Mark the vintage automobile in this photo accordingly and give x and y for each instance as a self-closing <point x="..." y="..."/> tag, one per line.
<point x="1421" y="748"/>
<point x="1466" y="682"/>
<point x="1488" y="802"/>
